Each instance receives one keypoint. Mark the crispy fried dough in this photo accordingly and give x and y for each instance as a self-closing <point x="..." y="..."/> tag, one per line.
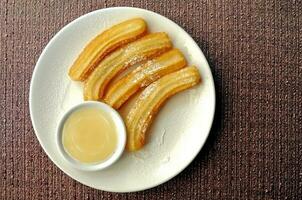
<point x="143" y="76"/>
<point x="147" y="47"/>
<point x="148" y="103"/>
<point x="103" y="44"/>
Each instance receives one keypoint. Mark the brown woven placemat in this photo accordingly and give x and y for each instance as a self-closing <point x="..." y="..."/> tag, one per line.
<point x="255" y="52"/>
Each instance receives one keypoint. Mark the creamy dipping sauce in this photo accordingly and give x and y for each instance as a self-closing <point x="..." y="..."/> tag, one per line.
<point x="89" y="135"/>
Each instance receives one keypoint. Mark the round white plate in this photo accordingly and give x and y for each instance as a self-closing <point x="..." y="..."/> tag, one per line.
<point x="178" y="132"/>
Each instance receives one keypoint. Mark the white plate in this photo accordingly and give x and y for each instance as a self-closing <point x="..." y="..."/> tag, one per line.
<point x="177" y="134"/>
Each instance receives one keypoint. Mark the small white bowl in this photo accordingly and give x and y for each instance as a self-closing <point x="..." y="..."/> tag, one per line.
<point x="121" y="131"/>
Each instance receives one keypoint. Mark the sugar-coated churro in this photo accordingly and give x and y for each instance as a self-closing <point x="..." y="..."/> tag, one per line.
<point x="105" y="43"/>
<point x="144" y="75"/>
<point x="148" y="103"/>
<point x="147" y="47"/>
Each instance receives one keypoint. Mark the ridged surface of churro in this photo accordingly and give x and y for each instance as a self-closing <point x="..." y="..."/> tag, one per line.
<point x="145" y="48"/>
<point x="103" y="44"/>
<point x="144" y="75"/>
<point x="148" y="103"/>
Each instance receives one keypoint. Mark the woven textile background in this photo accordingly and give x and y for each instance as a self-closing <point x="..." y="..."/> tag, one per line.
<point x="254" y="48"/>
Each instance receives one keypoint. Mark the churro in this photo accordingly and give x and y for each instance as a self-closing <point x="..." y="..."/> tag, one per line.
<point x="148" y="103"/>
<point x="143" y="76"/>
<point x="105" y="43"/>
<point x="145" y="48"/>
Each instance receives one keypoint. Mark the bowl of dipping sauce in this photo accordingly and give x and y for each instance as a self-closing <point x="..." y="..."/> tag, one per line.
<point x="91" y="136"/>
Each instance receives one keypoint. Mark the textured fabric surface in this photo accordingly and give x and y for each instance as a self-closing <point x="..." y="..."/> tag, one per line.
<point x="254" y="48"/>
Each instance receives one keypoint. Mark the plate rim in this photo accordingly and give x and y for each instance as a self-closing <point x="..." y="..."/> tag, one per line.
<point x="50" y="42"/>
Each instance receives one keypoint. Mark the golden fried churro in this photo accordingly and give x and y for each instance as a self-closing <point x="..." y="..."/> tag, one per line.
<point x="105" y="43"/>
<point x="148" y="103"/>
<point x="147" y="47"/>
<point x="144" y="75"/>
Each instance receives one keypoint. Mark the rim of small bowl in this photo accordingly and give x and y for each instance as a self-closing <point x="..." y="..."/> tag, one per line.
<point x="121" y="132"/>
